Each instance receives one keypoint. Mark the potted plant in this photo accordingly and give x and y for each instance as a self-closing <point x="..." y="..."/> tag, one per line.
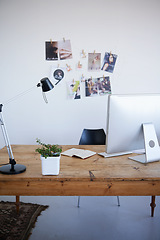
<point x="50" y="157"/>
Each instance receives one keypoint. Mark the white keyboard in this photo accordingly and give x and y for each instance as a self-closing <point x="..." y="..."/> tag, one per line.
<point x="104" y="154"/>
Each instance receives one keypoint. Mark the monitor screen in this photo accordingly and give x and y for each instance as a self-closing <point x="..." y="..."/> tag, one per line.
<point x="126" y="114"/>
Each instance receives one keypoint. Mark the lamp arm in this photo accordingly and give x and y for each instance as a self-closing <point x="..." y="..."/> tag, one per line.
<point x="46" y="86"/>
<point x="6" y="139"/>
<point x="19" y="95"/>
<point x="12" y="167"/>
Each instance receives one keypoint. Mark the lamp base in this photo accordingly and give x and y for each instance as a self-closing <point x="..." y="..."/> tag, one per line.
<point x="7" y="169"/>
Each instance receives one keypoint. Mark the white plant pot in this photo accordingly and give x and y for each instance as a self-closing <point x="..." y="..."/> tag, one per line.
<point x="50" y="165"/>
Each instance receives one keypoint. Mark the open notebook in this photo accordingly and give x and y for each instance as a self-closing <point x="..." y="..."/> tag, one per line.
<point x="81" y="153"/>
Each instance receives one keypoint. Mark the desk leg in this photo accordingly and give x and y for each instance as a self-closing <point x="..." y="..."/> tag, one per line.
<point x="17" y="204"/>
<point x="78" y="202"/>
<point x="153" y="205"/>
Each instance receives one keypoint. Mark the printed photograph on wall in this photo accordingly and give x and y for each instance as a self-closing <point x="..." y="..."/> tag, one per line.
<point x="73" y="90"/>
<point x="57" y="74"/>
<point x="94" y="61"/>
<point x="109" y="62"/>
<point x="65" y="51"/>
<point x="97" y="86"/>
<point x="51" y="50"/>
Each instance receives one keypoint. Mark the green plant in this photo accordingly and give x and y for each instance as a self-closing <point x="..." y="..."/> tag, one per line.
<point x="48" y="150"/>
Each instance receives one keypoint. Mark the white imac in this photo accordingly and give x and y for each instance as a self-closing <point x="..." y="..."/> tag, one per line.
<point x="133" y="125"/>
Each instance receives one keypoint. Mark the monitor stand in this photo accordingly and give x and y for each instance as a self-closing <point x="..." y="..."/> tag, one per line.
<point x="152" y="149"/>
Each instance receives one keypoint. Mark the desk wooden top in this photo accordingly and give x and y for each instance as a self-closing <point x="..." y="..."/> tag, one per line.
<point x="72" y="168"/>
<point x="77" y="171"/>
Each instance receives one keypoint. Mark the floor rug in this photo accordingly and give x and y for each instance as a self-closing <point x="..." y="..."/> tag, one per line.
<point x="17" y="226"/>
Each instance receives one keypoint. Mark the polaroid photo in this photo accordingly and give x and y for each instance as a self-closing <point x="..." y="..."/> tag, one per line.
<point x="97" y="87"/>
<point x="109" y="62"/>
<point x="73" y="90"/>
<point x="51" y="50"/>
<point x="94" y="61"/>
<point x="65" y="51"/>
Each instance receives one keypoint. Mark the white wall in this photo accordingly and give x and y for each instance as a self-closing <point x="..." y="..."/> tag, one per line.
<point x="127" y="28"/>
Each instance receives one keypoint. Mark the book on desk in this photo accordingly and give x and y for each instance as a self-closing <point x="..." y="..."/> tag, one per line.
<point x="81" y="153"/>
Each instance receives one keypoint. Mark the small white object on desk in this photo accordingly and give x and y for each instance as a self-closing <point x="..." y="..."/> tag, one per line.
<point x="81" y="153"/>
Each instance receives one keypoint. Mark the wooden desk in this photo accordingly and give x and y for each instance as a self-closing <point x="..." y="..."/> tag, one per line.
<point x="95" y="176"/>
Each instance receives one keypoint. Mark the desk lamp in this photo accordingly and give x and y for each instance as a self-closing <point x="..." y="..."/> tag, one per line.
<point x="12" y="167"/>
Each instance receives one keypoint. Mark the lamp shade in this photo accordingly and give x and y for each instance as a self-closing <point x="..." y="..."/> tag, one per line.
<point x="1" y="107"/>
<point x="46" y="84"/>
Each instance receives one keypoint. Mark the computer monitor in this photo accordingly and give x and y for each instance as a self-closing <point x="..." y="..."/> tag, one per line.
<point x="133" y="125"/>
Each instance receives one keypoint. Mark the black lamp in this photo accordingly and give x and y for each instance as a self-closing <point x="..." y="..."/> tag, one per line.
<point x="45" y="84"/>
<point x="12" y="167"/>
